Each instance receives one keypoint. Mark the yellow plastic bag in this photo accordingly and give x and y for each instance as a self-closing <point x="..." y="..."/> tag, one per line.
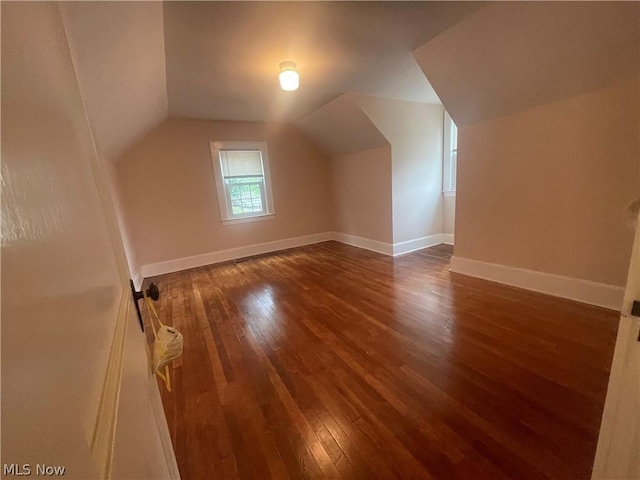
<point x="167" y="346"/>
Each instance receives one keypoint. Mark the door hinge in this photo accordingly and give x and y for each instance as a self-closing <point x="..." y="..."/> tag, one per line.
<point x="635" y="311"/>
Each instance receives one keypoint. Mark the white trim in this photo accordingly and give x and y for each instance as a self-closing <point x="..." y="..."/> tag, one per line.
<point x="254" y="218"/>
<point x="104" y="429"/>
<point x="390" y="249"/>
<point x="163" y="428"/>
<point x="618" y="450"/>
<point x="448" y="170"/>
<point x="449" y="193"/>
<point x="169" y="266"/>
<point x="225" y="209"/>
<point x="366" y="243"/>
<point x="137" y="280"/>
<point x="593" y="293"/>
<point x="401" y="248"/>
<point x="448" y="238"/>
<point x="408" y="246"/>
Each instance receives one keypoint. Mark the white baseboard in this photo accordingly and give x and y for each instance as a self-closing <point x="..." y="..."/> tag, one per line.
<point x="169" y="266"/>
<point x="409" y="246"/>
<point x="585" y="291"/>
<point x="390" y="249"/>
<point x="137" y="280"/>
<point x="447" y="238"/>
<point x="366" y="243"/>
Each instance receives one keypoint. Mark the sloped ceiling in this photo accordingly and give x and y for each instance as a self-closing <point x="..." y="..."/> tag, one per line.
<point x="484" y="60"/>
<point x="118" y="54"/>
<point x="515" y="55"/>
<point x="341" y="127"/>
<point x="140" y="62"/>
<point x="222" y="57"/>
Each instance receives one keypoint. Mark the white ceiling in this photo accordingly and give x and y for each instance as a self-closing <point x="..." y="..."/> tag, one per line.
<point x="222" y="57"/>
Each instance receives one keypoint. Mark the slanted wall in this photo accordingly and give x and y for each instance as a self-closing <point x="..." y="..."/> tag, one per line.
<point x="546" y="95"/>
<point x="414" y="131"/>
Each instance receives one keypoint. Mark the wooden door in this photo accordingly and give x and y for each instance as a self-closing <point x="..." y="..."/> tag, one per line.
<point x="76" y="389"/>
<point x="618" y="452"/>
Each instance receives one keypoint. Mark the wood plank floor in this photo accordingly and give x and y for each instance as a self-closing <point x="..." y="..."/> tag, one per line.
<point x="330" y="362"/>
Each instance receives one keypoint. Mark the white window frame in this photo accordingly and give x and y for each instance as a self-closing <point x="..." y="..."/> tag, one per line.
<point x="448" y="168"/>
<point x="224" y="198"/>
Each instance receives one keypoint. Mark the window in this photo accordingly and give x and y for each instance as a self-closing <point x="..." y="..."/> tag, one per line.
<point x="243" y="181"/>
<point x="450" y="164"/>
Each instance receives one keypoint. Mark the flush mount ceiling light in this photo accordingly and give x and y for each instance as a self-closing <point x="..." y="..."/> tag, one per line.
<point x="289" y="79"/>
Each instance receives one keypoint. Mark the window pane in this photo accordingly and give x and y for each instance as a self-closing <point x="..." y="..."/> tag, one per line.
<point x="454" y="136"/>
<point x="241" y="172"/>
<point x="449" y="173"/>
<point x="246" y="198"/>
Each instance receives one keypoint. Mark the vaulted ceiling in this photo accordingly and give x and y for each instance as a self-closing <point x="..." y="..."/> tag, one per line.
<point x="118" y="53"/>
<point x="222" y="57"/>
<point x="341" y="127"/>
<point x="140" y="62"/>
<point x="514" y="55"/>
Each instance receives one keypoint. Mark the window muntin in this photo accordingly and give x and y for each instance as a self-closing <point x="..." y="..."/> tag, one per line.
<point x="245" y="195"/>
<point x="244" y="187"/>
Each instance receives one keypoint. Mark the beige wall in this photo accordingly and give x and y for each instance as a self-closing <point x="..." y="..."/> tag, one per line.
<point x="415" y="133"/>
<point x="168" y="190"/>
<point x="117" y="50"/>
<point x="545" y="189"/>
<point x="448" y="214"/>
<point x="362" y="204"/>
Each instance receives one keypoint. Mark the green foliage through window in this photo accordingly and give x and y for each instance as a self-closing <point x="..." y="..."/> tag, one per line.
<point x="246" y="194"/>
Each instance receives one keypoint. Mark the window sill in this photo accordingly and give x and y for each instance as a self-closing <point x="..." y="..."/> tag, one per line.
<point x="257" y="218"/>
<point x="449" y="193"/>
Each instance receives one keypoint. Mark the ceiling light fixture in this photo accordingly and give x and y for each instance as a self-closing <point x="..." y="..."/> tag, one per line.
<point x="289" y="79"/>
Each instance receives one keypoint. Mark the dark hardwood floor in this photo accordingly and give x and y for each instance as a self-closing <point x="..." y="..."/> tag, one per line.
<point x="330" y="362"/>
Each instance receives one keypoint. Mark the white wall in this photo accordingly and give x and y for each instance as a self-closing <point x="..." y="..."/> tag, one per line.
<point x="362" y="195"/>
<point x="64" y="290"/>
<point x="546" y="98"/>
<point x="414" y="131"/>
<point x="449" y="214"/>
<point x="111" y="178"/>
<point x="117" y="50"/>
